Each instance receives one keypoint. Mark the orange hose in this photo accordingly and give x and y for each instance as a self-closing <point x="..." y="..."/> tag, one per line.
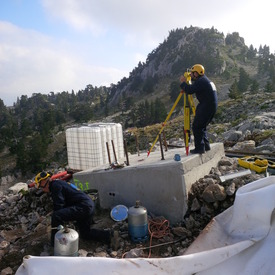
<point x="158" y="228"/>
<point x="58" y="175"/>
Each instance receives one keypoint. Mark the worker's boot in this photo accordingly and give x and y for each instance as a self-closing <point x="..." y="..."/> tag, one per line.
<point x="196" y="151"/>
<point x="207" y="147"/>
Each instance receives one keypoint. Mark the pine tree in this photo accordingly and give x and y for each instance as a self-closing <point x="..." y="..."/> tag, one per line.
<point x="244" y="81"/>
<point x="160" y="111"/>
<point x="174" y="92"/>
<point x="234" y="90"/>
<point x="254" y="87"/>
<point x="268" y="87"/>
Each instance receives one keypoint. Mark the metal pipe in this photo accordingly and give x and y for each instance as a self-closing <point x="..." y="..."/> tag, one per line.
<point x="126" y="152"/>
<point x="137" y="147"/>
<point x="235" y="175"/>
<point x="161" y="149"/>
<point x="108" y="151"/>
<point x="114" y="151"/>
<point x="165" y="142"/>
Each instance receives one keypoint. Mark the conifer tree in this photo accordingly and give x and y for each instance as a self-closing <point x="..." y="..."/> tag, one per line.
<point x="233" y="90"/>
<point x="254" y="87"/>
<point x="244" y="81"/>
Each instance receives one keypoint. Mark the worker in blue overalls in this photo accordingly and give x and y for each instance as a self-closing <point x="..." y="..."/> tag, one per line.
<point x="206" y="94"/>
<point x="70" y="204"/>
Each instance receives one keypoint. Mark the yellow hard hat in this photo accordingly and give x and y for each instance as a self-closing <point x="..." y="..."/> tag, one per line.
<point x="41" y="176"/>
<point x="198" y="68"/>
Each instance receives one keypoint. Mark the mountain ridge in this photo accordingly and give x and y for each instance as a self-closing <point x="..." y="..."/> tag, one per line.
<point x="30" y="127"/>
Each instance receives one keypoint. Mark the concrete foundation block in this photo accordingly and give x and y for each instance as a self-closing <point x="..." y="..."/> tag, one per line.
<point x="161" y="186"/>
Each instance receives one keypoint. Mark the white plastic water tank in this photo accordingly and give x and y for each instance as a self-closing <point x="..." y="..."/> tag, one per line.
<point x="86" y="145"/>
<point x="120" y="144"/>
<point x="110" y="136"/>
<point x="114" y="138"/>
<point x="72" y="148"/>
<point x="103" y="143"/>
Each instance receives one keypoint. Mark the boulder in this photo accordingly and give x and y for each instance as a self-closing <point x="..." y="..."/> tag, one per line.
<point x="214" y="192"/>
<point x="18" y="187"/>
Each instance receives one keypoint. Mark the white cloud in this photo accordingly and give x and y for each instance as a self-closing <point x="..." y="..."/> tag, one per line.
<point x="33" y="63"/>
<point x="147" y="22"/>
<point x="100" y="42"/>
<point x="74" y="13"/>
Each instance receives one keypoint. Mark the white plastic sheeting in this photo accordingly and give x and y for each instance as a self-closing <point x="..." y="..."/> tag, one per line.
<point x="241" y="240"/>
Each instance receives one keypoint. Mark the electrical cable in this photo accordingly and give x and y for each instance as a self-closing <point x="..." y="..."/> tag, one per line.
<point x="158" y="228"/>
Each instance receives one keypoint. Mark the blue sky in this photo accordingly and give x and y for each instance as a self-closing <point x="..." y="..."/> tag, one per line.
<point x="64" y="45"/>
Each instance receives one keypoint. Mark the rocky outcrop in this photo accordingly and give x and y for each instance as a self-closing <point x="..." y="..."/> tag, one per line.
<point x="255" y="134"/>
<point x="25" y="220"/>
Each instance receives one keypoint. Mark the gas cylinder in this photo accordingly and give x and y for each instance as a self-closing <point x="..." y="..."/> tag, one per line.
<point x="137" y="223"/>
<point x="66" y="242"/>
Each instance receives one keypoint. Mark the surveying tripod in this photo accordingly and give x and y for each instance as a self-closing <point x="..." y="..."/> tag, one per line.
<point x="188" y="103"/>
